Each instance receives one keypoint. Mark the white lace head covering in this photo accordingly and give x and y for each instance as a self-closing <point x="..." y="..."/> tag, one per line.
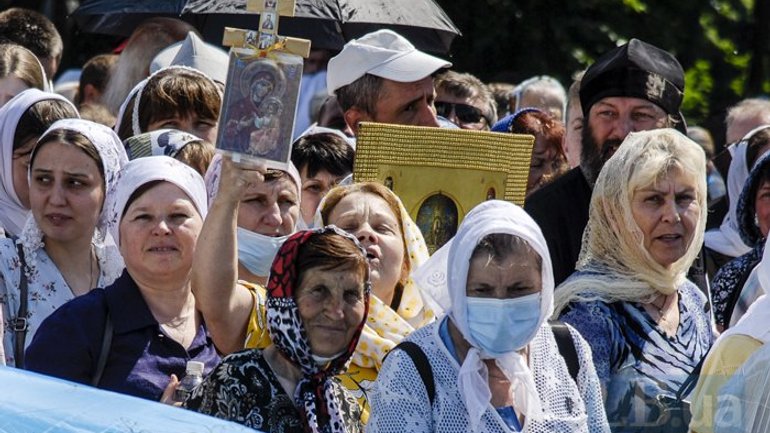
<point x="613" y="262"/>
<point x="12" y="213"/>
<point x="450" y="264"/>
<point x="726" y="239"/>
<point x="139" y="88"/>
<point x="144" y="170"/>
<point x="113" y="157"/>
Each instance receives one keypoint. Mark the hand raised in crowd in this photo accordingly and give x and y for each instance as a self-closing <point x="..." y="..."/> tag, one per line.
<point x="237" y="177"/>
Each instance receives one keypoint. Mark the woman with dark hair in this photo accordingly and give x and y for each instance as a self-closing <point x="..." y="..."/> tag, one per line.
<point x="22" y="121"/>
<point x="175" y="97"/>
<point x="63" y="251"/>
<point x="317" y="303"/>
<point x="147" y="316"/>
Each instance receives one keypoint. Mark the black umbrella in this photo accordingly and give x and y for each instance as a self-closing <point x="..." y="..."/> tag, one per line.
<point x="327" y="23"/>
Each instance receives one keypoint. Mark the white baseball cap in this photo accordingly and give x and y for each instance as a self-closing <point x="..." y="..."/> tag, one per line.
<point x="193" y="52"/>
<point x="383" y="53"/>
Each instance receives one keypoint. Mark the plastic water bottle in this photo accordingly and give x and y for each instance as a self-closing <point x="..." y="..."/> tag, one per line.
<point x="193" y="377"/>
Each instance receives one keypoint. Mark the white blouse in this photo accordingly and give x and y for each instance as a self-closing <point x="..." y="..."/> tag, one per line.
<point x="47" y="289"/>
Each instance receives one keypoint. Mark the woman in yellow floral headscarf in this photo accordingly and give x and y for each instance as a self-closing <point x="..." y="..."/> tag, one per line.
<point x="394" y="247"/>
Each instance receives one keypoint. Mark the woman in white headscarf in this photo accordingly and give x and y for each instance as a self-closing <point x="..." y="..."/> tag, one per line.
<point x="648" y="326"/>
<point x="725" y="242"/>
<point x="63" y="251"/>
<point x="22" y="120"/>
<point x="494" y="360"/>
<point x="137" y="335"/>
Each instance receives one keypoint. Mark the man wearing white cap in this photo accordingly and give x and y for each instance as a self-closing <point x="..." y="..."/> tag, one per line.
<point x="382" y="77"/>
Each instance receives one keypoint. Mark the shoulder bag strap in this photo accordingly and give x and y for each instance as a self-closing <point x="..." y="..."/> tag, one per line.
<point x="691" y="380"/>
<point x="566" y="347"/>
<point x="19" y="323"/>
<point x="420" y="361"/>
<point x="104" y="351"/>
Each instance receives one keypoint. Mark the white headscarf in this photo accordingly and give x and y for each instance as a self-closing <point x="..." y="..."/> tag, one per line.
<point x="727" y="238"/>
<point x="449" y="270"/>
<point x="12" y="213"/>
<point x="214" y="173"/>
<point x="113" y="157"/>
<point x="143" y="170"/>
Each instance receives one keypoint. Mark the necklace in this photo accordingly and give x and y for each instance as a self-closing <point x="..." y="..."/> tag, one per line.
<point x="663" y="309"/>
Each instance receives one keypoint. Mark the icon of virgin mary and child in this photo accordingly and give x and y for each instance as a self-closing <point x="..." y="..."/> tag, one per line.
<point x="253" y="123"/>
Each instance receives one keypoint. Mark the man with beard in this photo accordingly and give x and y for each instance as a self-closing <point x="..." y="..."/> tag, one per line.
<point x="634" y="87"/>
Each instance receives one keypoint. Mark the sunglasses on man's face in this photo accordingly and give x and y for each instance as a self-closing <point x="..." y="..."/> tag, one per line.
<point x="465" y="113"/>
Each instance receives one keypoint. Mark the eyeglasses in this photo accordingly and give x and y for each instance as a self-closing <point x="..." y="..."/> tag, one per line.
<point x="465" y="113"/>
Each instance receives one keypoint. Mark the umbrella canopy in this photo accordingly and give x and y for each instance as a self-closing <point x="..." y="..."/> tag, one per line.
<point x="31" y="402"/>
<point x="327" y="23"/>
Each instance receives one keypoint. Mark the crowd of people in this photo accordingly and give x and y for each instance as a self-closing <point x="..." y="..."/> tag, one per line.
<point x="626" y="295"/>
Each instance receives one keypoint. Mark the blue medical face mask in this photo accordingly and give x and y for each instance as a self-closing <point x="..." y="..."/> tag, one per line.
<point x="501" y="326"/>
<point x="256" y="252"/>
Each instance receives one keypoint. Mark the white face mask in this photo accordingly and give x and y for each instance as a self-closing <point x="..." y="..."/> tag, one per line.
<point x="256" y="252"/>
<point x="302" y="225"/>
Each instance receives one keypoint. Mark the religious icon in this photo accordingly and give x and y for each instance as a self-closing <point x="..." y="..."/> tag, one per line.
<point x="260" y="100"/>
<point x="437" y="220"/>
<point x="268" y="22"/>
<point x="265" y="40"/>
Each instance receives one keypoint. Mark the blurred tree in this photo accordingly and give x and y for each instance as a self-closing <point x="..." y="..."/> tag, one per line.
<point x="723" y="45"/>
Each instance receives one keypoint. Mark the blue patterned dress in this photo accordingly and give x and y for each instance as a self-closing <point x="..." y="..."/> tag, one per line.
<point x="636" y="361"/>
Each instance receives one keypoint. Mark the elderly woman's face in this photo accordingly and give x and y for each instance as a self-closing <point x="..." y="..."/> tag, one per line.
<point x="270" y="208"/>
<point x="369" y="218"/>
<point x="66" y="192"/>
<point x="667" y="213"/>
<point x="158" y="234"/>
<point x="516" y="275"/>
<point x="331" y="304"/>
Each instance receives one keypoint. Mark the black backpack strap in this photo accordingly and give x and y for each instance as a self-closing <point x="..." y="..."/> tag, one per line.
<point x="692" y="379"/>
<point x="19" y="323"/>
<point x="420" y="361"/>
<point x="103" y="352"/>
<point x="566" y="347"/>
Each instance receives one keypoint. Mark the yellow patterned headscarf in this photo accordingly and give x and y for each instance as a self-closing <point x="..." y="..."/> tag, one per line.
<point x="384" y="327"/>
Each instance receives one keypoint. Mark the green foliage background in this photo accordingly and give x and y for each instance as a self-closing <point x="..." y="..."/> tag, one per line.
<point x="722" y="44"/>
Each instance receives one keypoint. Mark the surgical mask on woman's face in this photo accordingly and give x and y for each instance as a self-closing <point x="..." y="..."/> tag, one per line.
<point x="256" y="252"/>
<point x="501" y="326"/>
